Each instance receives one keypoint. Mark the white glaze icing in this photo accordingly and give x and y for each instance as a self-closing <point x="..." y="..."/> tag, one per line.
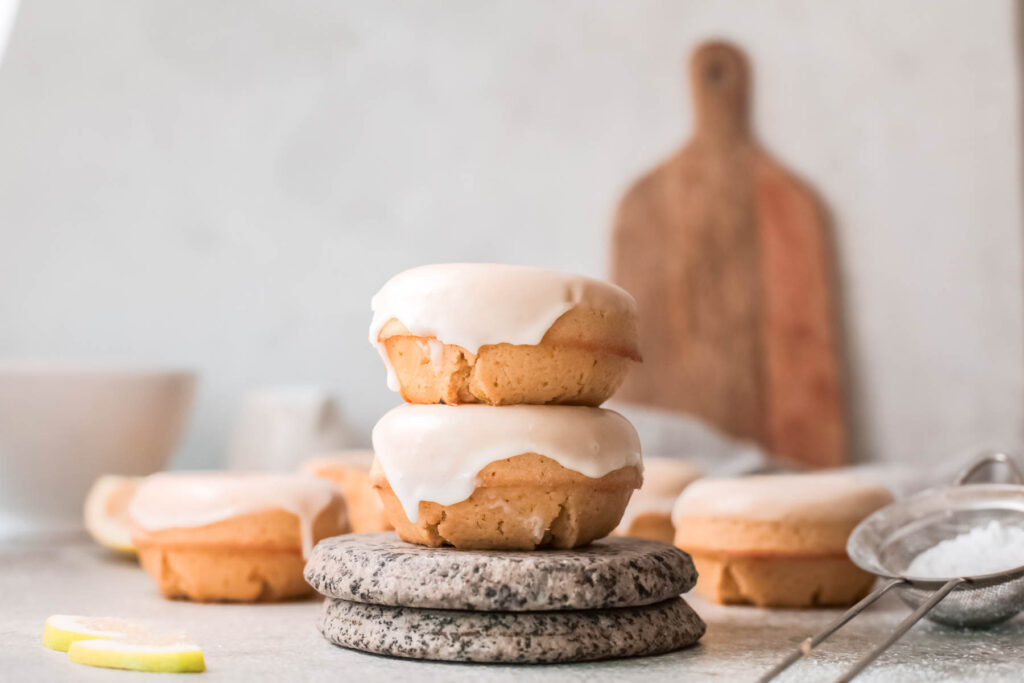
<point x="434" y="452"/>
<point x="821" y="497"/>
<point x="170" y="500"/>
<point x="664" y="480"/>
<point x="476" y="304"/>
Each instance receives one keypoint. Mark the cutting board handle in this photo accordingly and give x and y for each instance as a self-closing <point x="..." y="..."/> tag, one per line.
<point x="720" y="83"/>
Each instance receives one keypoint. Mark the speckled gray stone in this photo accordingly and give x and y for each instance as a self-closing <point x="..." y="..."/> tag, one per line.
<point x="380" y="569"/>
<point x="511" y="637"/>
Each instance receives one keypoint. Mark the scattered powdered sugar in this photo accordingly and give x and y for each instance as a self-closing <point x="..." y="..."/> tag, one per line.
<point x="987" y="549"/>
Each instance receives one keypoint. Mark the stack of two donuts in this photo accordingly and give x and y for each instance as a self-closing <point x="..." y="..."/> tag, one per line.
<point x="501" y="444"/>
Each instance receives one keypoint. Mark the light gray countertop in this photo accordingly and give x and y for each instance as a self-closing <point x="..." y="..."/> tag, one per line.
<point x="279" y="642"/>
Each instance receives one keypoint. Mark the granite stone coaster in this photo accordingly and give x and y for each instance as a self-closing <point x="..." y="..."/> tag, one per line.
<point x="511" y="637"/>
<point x="380" y="569"/>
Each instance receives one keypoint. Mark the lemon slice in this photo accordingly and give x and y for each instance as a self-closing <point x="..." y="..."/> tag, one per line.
<point x="106" y="511"/>
<point x="178" y="657"/>
<point x="63" y="629"/>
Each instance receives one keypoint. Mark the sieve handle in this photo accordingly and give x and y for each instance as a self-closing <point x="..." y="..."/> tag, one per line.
<point x="863" y="663"/>
<point x="991" y="459"/>
<point x="904" y="626"/>
<point x="814" y="641"/>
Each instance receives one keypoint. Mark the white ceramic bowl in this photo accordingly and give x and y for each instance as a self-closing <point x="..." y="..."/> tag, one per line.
<point x="62" y="426"/>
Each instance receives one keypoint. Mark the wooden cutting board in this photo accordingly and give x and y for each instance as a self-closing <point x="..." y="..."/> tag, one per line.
<point x="728" y="256"/>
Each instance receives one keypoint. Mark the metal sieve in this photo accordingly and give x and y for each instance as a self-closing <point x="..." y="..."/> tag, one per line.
<point x="886" y="542"/>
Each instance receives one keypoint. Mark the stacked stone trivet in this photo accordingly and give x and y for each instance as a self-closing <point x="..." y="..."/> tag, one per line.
<point x="617" y="597"/>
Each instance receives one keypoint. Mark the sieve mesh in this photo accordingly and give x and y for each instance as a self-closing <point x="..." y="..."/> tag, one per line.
<point x="887" y="542"/>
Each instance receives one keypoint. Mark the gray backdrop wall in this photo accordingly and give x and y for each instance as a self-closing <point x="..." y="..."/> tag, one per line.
<point x="224" y="185"/>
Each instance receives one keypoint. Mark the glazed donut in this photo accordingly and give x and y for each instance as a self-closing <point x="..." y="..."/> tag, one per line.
<point x="503" y="335"/>
<point x="350" y="472"/>
<point x="777" y="540"/>
<point x="515" y="477"/>
<point x="649" y="513"/>
<point x="213" y="536"/>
